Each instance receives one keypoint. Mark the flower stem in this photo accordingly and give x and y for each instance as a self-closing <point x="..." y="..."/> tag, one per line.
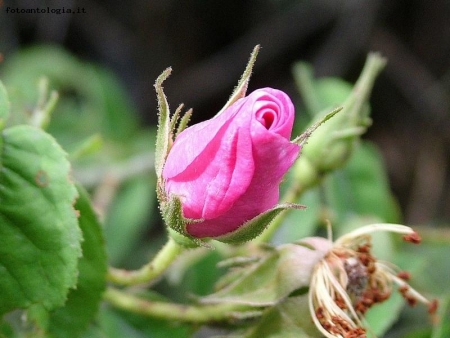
<point x="172" y="311"/>
<point x="150" y="271"/>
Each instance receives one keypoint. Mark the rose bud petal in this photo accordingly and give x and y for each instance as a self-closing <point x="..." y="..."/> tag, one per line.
<point x="227" y="170"/>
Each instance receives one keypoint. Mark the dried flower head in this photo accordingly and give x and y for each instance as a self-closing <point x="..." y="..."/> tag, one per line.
<point x="349" y="280"/>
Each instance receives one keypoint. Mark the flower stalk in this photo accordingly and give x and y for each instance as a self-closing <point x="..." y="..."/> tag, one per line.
<point x="150" y="271"/>
<point x="179" y="312"/>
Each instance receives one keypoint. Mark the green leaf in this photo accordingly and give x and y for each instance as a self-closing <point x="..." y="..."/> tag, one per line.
<point x="270" y="279"/>
<point x="83" y="302"/>
<point x="39" y="234"/>
<point x="4" y="105"/>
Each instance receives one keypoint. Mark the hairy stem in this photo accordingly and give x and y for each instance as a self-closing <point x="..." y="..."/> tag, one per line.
<point x="150" y="271"/>
<point x="172" y="311"/>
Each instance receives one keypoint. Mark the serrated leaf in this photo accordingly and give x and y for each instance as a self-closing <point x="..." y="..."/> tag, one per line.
<point x="271" y="279"/>
<point x="83" y="302"/>
<point x="39" y="233"/>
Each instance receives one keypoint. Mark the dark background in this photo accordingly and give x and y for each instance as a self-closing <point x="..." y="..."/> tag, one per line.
<point x="208" y="43"/>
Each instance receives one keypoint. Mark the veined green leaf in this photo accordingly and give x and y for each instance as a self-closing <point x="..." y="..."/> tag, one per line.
<point x="39" y="233"/>
<point x="83" y="302"/>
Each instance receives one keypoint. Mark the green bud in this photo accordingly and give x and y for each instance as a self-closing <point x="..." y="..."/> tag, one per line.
<point x="330" y="146"/>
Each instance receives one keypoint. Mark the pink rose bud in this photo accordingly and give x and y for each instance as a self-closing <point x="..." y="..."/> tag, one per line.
<point x="227" y="170"/>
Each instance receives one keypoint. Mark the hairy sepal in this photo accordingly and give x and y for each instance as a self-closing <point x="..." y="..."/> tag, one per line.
<point x="172" y="213"/>
<point x="254" y="227"/>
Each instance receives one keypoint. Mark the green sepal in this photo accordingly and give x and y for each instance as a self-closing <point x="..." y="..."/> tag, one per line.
<point x="303" y="138"/>
<point x="175" y="117"/>
<point x="183" y="122"/>
<point x="186" y="241"/>
<point x="172" y="213"/>
<point x="163" y="133"/>
<point x="241" y="89"/>
<point x="254" y="227"/>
